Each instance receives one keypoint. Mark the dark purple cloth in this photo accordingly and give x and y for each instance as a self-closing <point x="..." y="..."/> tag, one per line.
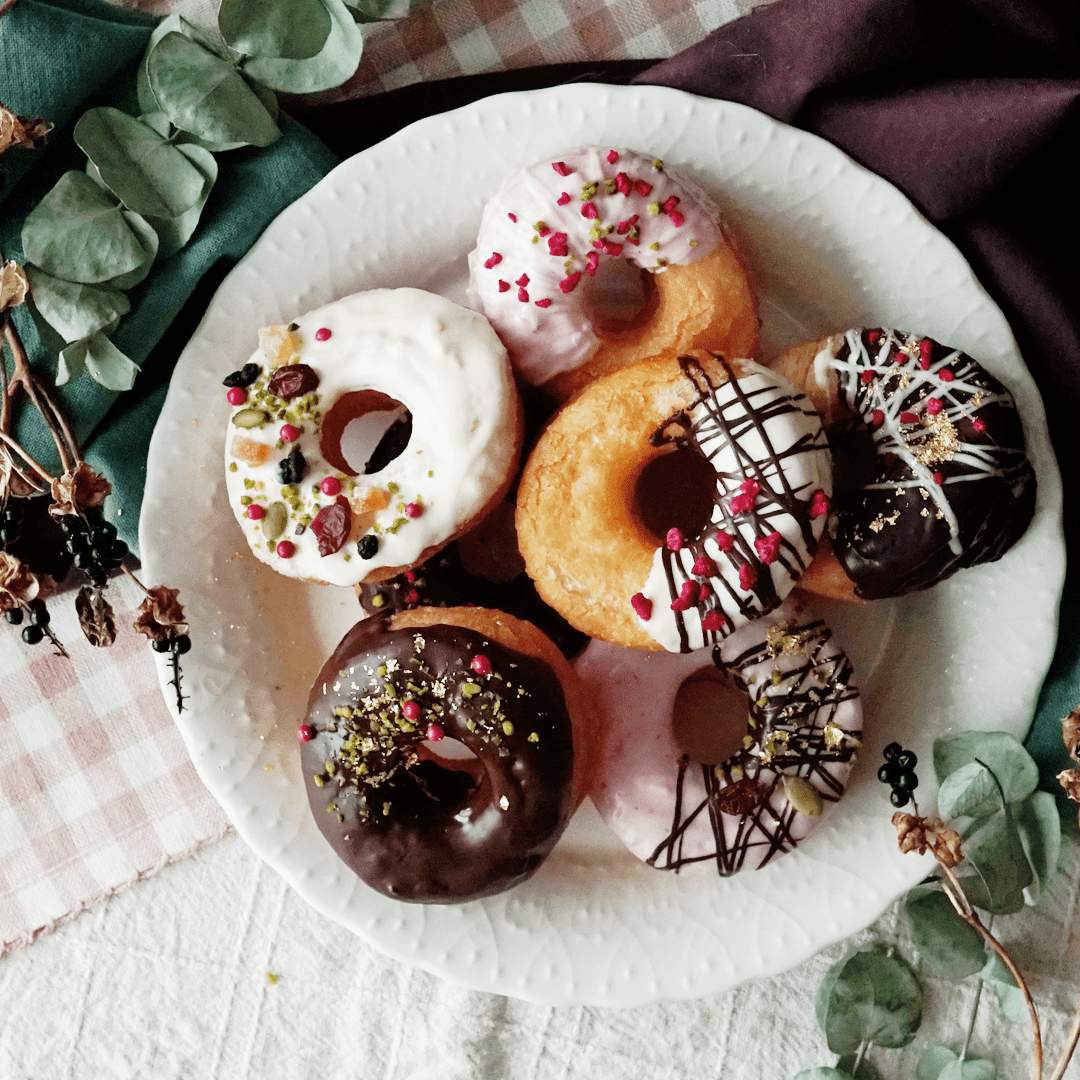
<point x="970" y="107"/>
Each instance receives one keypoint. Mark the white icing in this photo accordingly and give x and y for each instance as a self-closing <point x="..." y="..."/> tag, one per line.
<point x="447" y="366"/>
<point x="636" y="789"/>
<point x="781" y="445"/>
<point x="547" y="340"/>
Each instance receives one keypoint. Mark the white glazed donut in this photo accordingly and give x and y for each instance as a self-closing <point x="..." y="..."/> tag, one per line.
<point x="369" y="352"/>
<point x="803" y="719"/>
<point x="552" y="226"/>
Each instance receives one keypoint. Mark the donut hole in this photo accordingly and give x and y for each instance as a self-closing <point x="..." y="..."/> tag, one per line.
<point x="708" y="717"/>
<point x="675" y="490"/>
<point x="363" y="431"/>
<point x="452" y="755"/>
<point x="621" y="298"/>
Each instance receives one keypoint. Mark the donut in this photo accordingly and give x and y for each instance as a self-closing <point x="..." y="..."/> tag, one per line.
<point x="673" y="501"/>
<point x="779" y="718"/>
<point x="932" y="474"/>
<point x="420" y="828"/>
<point x="431" y="373"/>
<point x="548" y="238"/>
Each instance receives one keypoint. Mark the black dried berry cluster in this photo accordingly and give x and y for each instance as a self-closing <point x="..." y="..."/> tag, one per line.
<point x="11" y="524"/>
<point x="94" y="546"/>
<point x="36" y="626"/>
<point x="178" y="644"/>
<point x="899" y="772"/>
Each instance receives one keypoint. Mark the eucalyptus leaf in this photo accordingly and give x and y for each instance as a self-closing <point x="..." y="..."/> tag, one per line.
<point x="174" y="233"/>
<point x="203" y="94"/>
<point x="158" y="122"/>
<point x="381" y="10"/>
<point x="70" y="361"/>
<point x="106" y="364"/>
<point x="334" y="63"/>
<point x="971" y="791"/>
<point x="823" y="1072"/>
<point x="144" y="233"/>
<point x="941" y="1063"/>
<point x="949" y="946"/>
<point x="172" y="24"/>
<point x="143" y="170"/>
<point x="866" y="1070"/>
<point x="80" y="233"/>
<point x="75" y="310"/>
<point x="999" y="751"/>
<point x="1010" y="996"/>
<point x="289" y="29"/>
<point x="996" y="866"/>
<point x="1039" y="825"/>
<point x="869" y="996"/>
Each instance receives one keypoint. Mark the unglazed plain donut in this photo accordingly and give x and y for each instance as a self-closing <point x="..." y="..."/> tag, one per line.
<point x="789" y="691"/>
<point x="437" y="370"/>
<point x="931" y="470"/>
<point x="546" y="238"/>
<point x="419" y="829"/>
<point x="581" y="524"/>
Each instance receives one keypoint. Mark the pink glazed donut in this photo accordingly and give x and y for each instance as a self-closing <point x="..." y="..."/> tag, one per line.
<point x="801" y="721"/>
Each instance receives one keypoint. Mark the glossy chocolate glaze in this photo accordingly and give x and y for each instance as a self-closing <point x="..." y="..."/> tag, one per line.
<point x="406" y="824"/>
<point x="951" y="484"/>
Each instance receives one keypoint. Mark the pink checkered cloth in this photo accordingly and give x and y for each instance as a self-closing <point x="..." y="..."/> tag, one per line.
<point x="96" y="789"/>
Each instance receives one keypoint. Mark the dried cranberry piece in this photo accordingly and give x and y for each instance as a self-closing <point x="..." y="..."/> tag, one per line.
<point x="331" y="526"/>
<point x="292" y="381"/>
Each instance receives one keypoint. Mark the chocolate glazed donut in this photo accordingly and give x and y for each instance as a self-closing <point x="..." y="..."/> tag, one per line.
<point x="409" y="825"/>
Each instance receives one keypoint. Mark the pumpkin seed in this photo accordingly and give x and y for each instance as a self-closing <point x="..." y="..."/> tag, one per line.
<point x="249" y="418"/>
<point x="803" y="796"/>
<point x="277" y="516"/>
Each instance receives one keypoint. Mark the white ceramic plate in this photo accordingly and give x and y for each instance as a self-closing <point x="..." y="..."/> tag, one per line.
<point x="832" y="246"/>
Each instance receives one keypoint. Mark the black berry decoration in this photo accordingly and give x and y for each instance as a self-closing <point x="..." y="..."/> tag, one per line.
<point x="367" y="546"/>
<point x="291" y="468"/>
<point x="899" y="773"/>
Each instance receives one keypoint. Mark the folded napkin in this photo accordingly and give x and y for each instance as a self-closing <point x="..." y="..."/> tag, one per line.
<point x="968" y="106"/>
<point x="58" y="58"/>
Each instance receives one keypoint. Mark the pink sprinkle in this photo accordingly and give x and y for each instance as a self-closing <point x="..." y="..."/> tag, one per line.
<point x="570" y="282"/>
<point x="591" y="263"/>
<point x="866" y="377"/>
<point x="642" y="605"/>
<point x="933" y="406"/>
<point x="286" y="549"/>
<point x="330" y="485"/>
<point x="413" y="510"/>
<point x="622" y="183"/>
<point x="410" y="710"/>
<point x="704" y="592"/>
<point x="768" y="547"/>
<point x="494" y="261"/>
<point x="677" y="218"/>
<point x="523" y="280"/>
<point x="543" y="231"/>
<point x="819" y="504"/>
<point x="642" y="188"/>
<point x="237" y="395"/>
<point x="674" y="540"/>
<point x="557" y="245"/>
<point x="877" y="418"/>
<point x="703" y="567"/>
<point x="625" y="226"/>
<point x="924" y="364"/>
<point x="724" y="540"/>
<point x="564" y="198"/>
<point x="545" y="303"/>
<point x="255" y="512"/>
<point x="409" y="575"/>
<point x="322" y="334"/>
<point x="512" y="217"/>
<point x="670" y="203"/>
<point x="945" y="375"/>
<point x="687" y="597"/>
<point x="305" y="733"/>
<point x="747" y="577"/>
<point x="873" y="336"/>
<point x="612" y="157"/>
<point x="434" y="733"/>
<point x="908" y="418"/>
<point x="750" y="486"/>
<point x="481" y="664"/>
<point x="938" y="478"/>
<point x="288" y="433"/>
<point x="504" y="286"/>
<point x="614" y="250"/>
<point x="712" y="621"/>
<point x="588" y="210"/>
<point x="561" y="168"/>
<point x="523" y="296"/>
<point x="741" y="503"/>
<point x="979" y="425"/>
<point x="926" y="346"/>
<point x="412" y="596"/>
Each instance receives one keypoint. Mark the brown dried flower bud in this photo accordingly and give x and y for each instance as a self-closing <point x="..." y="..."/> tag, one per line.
<point x="14" y="285"/>
<point x="161" y="615"/>
<point x="1070" y="734"/>
<point x="19" y="584"/>
<point x="1069" y="779"/>
<point x="77" y="490"/>
<point x="919" y="834"/>
<point x="25" y="132"/>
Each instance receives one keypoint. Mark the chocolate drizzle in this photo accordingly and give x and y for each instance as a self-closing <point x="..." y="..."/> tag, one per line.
<point x="769" y="456"/>
<point x="793" y="733"/>
<point x="410" y="825"/>
<point x="951" y="484"/>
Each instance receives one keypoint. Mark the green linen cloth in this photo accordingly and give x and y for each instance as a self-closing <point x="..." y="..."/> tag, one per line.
<point x="58" y="58"/>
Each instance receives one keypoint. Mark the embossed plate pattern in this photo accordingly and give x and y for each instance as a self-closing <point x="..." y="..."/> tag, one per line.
<point x="831" y="246"/>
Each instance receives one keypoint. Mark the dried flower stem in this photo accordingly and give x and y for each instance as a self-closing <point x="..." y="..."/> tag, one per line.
<point x="11" y="444"/>
<point x="955" y="892"/>
<point x="6" y="6"/>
